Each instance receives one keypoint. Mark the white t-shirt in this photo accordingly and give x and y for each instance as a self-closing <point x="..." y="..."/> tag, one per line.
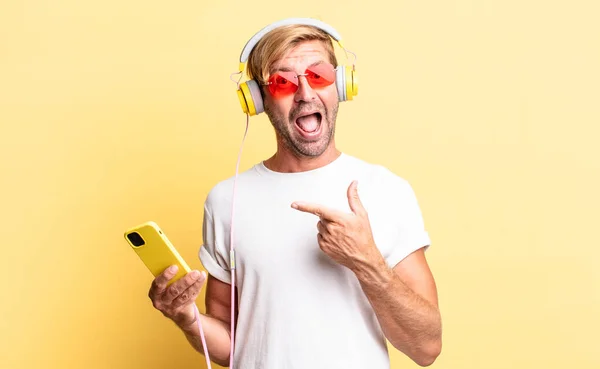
<point x="298" y="309"/>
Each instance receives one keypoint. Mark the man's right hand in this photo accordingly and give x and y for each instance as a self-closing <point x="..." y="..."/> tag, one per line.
<point x="176" y="301"/>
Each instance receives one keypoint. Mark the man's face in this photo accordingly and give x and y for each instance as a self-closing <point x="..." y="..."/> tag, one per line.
<point x="305" y="119"/>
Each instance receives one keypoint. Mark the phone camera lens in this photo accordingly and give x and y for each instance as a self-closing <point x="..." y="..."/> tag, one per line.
<point x="135" y="239"/>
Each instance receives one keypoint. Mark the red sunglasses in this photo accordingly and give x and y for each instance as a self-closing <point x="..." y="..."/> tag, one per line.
<point x="284" y="83"/>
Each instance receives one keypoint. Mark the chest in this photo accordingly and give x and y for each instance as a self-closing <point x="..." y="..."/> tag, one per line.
<point x="275" y="242"/>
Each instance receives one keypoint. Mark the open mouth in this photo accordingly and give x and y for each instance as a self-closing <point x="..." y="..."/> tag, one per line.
<point x="309" y="124"/>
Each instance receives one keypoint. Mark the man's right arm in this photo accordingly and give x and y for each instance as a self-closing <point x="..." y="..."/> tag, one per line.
<point x="217" y="321"/>
<point x="176" y="303"/>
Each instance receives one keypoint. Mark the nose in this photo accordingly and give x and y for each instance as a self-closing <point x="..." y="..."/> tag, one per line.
<point x="304" y="92"/>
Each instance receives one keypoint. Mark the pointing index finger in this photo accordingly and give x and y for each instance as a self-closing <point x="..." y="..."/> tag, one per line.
<point x="318" y="210"/>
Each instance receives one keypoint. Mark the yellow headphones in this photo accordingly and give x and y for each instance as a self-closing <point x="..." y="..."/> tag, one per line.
<point x="249" y="91"/>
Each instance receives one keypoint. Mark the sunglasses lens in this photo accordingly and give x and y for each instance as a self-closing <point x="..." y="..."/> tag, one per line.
<point x="282" y="84"/>
<point x="321" y="75"/>
<point x="286" y="83"/>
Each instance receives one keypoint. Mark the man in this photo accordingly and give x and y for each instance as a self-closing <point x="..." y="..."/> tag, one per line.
<point x="329" y="249"/>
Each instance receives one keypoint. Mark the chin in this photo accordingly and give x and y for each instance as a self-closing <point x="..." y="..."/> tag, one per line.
<point x="311" y="149"/>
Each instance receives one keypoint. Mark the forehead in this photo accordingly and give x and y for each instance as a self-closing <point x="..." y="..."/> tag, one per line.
<point x="301" y="56"/>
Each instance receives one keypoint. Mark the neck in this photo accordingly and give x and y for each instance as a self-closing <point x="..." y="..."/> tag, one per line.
<point x="287" y="162"/>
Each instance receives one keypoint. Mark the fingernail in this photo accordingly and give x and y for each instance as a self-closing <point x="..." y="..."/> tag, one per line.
<point x="294" y="205"/>
<point x="173" y="268"/>
<point x="195" y="274"/>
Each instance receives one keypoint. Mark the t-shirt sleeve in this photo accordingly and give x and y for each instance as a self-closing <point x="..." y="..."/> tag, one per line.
<point x="411" y="233"/>
<point x="213" y="255"/>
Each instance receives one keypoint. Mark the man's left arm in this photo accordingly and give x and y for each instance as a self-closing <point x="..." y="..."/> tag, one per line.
<point x="404" y="298"/>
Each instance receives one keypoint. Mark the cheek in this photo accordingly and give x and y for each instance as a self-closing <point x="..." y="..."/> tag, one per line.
<point x="329" y="97"/>
<point x="332" y="93"/>
<point x="279" y="107"/>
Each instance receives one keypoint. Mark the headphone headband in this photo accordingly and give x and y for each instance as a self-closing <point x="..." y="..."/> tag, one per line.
<point x="304" y="21"/>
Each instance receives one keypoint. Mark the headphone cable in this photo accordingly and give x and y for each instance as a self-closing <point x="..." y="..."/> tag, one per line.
<point x="232" y="268"/>
<point x="231" y="243"/>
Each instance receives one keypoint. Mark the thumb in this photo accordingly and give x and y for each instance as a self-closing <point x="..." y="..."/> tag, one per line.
<point x="353" y="199"/>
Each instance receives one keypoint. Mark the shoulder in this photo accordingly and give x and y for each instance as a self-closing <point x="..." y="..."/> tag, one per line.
<point x="377" y="174"/>
<point x="219" y="198"/>
<point x="382" y="187"/>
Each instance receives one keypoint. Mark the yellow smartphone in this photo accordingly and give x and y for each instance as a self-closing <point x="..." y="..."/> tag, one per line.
<point x="154" y="249"/>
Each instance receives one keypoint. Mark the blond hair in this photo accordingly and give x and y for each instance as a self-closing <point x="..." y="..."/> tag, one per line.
<point x="278" y="42"/>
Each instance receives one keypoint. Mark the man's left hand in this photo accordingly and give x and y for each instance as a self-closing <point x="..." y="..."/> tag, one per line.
<point x="345" y="237"/>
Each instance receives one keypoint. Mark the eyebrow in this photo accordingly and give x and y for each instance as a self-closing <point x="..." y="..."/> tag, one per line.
<point x="287" y="69"/>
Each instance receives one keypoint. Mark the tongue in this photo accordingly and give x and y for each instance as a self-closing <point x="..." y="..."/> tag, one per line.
<point x="309" y="123"/>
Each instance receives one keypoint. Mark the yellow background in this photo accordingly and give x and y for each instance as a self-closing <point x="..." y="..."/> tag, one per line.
<point x="117" y="112"/>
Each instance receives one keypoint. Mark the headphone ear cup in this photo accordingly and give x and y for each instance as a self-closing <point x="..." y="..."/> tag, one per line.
<point x="243" y="95"/>
<point x="354" y="89"/>
<point x="340" y="82"/>
<point x="250" y="98"/>
<point x="351" y="83"/>
<point x="256" y="96"/>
